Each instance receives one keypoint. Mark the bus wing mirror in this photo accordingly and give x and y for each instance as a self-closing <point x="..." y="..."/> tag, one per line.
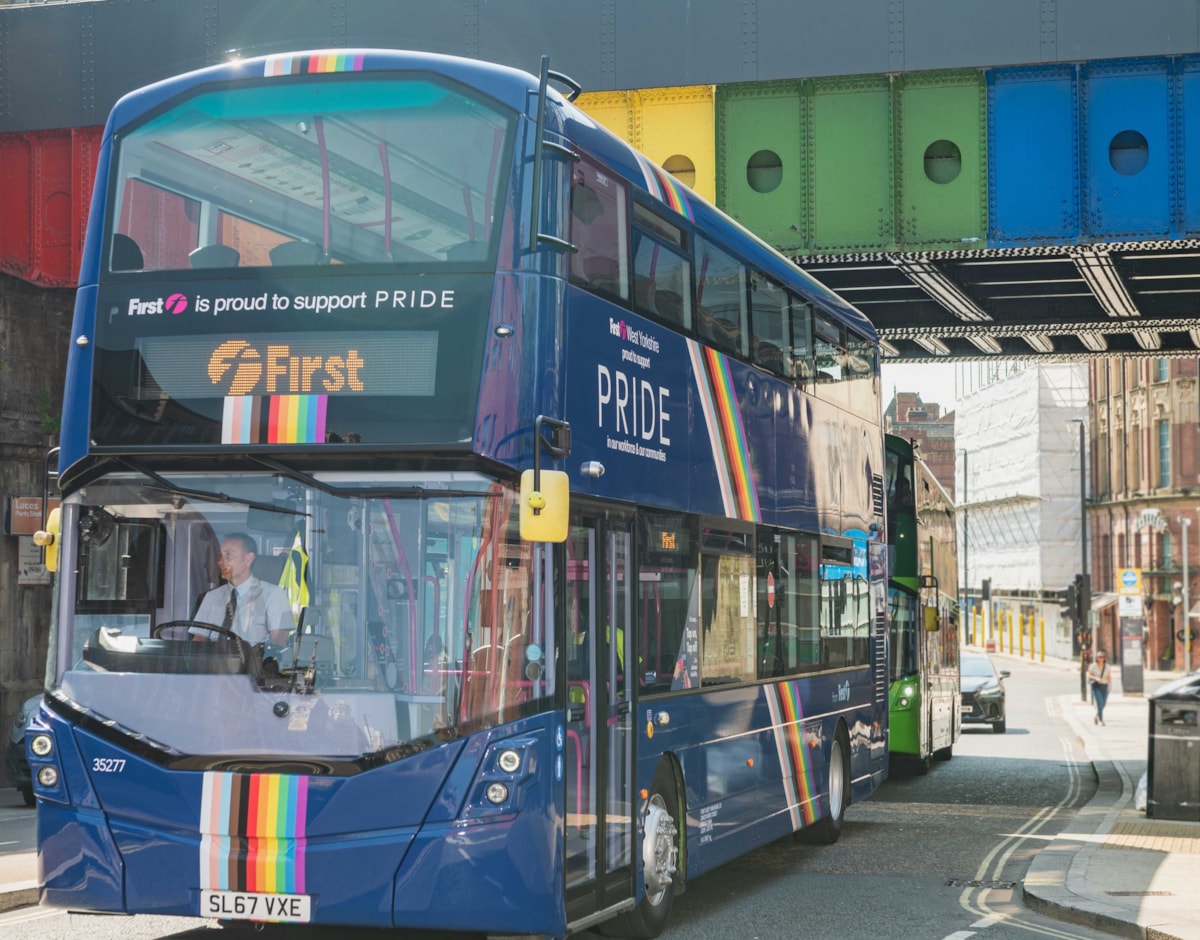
<point x="544" y="510"/>
<point x="931" y="620"/>
<point x="48" y="538"/>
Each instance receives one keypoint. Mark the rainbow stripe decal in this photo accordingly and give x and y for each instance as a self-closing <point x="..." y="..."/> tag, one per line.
<point x="252" y="833"/>
<point x="664" y="187"/>
<point x="313" y="64"/>
<point x="726" y="435"/>
<point x="787" y="722"/>
<point x="274" y="419"/>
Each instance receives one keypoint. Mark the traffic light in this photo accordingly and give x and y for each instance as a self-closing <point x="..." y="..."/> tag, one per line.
<point x="1083" y="599"/>
<point x="1070" y="604"/>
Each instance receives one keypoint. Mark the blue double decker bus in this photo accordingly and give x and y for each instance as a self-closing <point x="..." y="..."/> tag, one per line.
<point x="464" y="526"/>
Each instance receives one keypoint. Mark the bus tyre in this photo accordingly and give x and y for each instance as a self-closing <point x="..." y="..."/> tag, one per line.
<point x="829" y="829"/>
<point x="660" y="862"/>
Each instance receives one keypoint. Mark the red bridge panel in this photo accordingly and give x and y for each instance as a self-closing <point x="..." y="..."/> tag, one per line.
<point x="45" y="190"/>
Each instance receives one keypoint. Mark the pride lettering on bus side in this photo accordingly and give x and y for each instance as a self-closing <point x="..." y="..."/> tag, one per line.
<point x="632" y="405"/>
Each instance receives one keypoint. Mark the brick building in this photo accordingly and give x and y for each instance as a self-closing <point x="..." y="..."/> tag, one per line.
<point x="909" y="417"/>
<point x="1144" y="496"/>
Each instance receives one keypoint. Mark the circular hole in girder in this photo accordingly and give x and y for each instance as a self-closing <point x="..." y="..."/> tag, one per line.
<point x="943" y="161"/>
<point x="764" y="171"/>
<point x="1128" y="153"/>
<point x="682" y="169"/>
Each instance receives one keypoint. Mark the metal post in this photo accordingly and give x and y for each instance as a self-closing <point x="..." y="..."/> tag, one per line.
<point x="1184" y="523"/>
<point x="967" y="549"/>
<point x="1085" y="600"/>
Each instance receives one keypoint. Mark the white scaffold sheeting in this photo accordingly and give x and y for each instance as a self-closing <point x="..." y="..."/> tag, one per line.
<point x="1018" y="434"/>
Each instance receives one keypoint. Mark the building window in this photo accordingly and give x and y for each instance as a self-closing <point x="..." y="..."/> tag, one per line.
<point x="1168" y="562"/>
<point x="1162" y="370"/>
<point x="1164" y="453"/>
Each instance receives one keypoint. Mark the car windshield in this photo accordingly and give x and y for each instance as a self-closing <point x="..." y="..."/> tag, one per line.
<point x="368" y="616"/>
<point x="977" y="666"/>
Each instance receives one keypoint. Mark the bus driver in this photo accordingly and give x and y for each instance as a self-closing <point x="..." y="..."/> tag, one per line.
<point x="249" y="607"/>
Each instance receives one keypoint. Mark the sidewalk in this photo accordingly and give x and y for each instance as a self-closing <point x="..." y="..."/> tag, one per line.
<point x="1113" y="868"/>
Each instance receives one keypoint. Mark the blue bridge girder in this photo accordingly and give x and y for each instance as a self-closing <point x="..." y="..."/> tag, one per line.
<point x="1073" y="268"/>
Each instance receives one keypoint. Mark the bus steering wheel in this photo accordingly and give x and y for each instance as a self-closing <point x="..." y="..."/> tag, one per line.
<point x="244" y="649"/>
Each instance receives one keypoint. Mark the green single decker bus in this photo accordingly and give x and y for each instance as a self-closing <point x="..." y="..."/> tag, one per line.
<point x="923" y="691"/>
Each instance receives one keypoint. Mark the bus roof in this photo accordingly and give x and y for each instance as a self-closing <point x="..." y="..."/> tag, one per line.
<point x="517" y="90"/>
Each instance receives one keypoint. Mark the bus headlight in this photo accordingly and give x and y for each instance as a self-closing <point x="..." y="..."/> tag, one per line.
<point x="509" y="760"/>
<point x="42" y="745"/>
<point x="496" y="793"/>
<point x="48" y="777"/>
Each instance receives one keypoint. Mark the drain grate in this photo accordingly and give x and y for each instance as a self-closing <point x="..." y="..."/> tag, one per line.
<point x="1141" y="894"/>
<point x="998" y="885"/>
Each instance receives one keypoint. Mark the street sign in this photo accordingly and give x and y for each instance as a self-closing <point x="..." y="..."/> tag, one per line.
<point x="1129" y="583"/>
<point x="1130" y="606"/>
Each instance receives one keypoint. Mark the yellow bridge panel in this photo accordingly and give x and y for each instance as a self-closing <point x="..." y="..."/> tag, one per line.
<point x="672" y="126"/>
<point x="676" y="130"/>
<point x="611" y="109"/>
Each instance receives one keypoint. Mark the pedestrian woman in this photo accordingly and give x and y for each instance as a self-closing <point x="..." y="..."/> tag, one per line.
<point x="1099" y="675"/>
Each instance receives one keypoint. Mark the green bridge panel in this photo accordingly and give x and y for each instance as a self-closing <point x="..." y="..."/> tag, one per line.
<point x="852" y="159"/>
<point x="941" y="133"/>
<point x="762" y="172"/>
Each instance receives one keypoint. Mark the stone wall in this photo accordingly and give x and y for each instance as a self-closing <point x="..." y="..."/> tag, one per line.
<point x="35" y="326"/>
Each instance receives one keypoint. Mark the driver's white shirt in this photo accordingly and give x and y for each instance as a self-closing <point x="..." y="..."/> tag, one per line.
<point x="258" y="605"/>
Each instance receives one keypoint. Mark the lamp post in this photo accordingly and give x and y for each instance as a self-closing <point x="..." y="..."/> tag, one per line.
<point x="967" y="555"/>
<point x="1087" y="641"/>
<point x="1184" y="524"/>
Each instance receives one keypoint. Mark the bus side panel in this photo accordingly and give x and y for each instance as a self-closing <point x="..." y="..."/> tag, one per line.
<point x="488" y="866"/>
<point x="78" y="863"/>
<point x="745" y="787"/>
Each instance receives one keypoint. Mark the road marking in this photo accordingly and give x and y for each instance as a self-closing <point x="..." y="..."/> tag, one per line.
<point x="975" y="899"/>
<point x="959" y="935"/>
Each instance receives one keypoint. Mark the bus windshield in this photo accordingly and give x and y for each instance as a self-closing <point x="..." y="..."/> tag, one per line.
<point x="361" y="622"/>
<point x="311" y="171"/>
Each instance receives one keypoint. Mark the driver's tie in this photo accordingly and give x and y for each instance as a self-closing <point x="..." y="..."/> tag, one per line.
<point x="230" y="608"/>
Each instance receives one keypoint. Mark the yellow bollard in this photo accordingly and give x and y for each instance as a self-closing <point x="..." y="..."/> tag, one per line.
<point x="1010" y="639"/>
<point x="1042" y="634"/>
<point x="1021" y="633"/>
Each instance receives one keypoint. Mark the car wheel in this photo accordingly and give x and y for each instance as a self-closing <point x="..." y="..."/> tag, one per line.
<point x="944" y="753"/>
<point x="27" y="795"/>
<point x="999" y="727"/>
<point x="660" y="863"/>
<point x="829" y="829"/>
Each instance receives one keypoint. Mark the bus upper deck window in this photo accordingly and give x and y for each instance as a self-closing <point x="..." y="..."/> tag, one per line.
<point x="598" y="213"/>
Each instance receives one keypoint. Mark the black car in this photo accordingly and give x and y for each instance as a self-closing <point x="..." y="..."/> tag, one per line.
<point x="14" y="754"/>
<point x="982" y="691"/>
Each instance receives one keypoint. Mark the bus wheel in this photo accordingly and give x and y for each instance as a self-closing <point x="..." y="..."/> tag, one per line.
<point x="660" y="862"/>
<point x="829" y="829"/>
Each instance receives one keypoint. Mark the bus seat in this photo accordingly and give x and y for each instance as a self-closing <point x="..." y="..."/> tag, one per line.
<point x="214" y="256"/>
<point x="644" y="296"/>
<point x="126" y="255"/>
<point x="726" y="335"/>
<point x="269" y="568"/>
<point x="295" y="253"/>
<point x="466" y="251"/>
<point x="602" y="273"/>
<point x="769" y="356"/>
<point x="670" y="306"/>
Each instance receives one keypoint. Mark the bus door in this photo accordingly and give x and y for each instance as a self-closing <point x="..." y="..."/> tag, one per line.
<point x="601" y="670"/>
